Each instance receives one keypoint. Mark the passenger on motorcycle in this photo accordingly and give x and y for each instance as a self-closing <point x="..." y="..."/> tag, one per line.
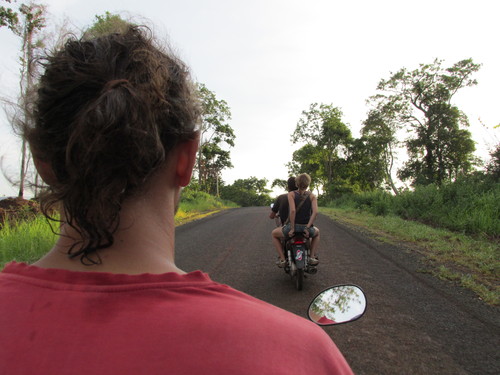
<point x="280" y="205"/>
<point x="301" y="220"/>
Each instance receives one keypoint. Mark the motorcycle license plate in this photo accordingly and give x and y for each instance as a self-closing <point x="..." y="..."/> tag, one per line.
<point x="299" y="254"/>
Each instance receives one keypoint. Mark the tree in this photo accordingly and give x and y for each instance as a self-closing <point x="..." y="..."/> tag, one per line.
<point x="380" y="141"/>
<point x="308" y="159"/>
<point x="26" y="24"/>
<point x="365" y="165"/>
<point x="438" y="148"/>
<point x="248" y="192"/>
<point x="106" y="24"/>
<point x="493" y="166"/>
<point x="8" y="17"/>
<point x="327" y="141"/>
<point x="282" y="184"/>
<point x="215" y="133"/>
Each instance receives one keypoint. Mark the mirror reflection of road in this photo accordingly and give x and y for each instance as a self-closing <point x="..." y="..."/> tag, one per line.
<point x="414" y="324"/>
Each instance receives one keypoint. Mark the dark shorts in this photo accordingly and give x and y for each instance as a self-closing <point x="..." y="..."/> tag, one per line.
<point x="299" y="228"/>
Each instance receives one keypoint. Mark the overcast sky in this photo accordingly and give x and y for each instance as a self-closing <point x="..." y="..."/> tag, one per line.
<point x="270" y="59"/>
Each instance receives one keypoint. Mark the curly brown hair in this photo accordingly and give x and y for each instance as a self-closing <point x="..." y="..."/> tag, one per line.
<point x="107" y="112"/>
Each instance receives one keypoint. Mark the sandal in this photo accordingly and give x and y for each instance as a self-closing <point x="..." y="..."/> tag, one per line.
<point x="313" y="261"/>
<point x="281" y="263"/>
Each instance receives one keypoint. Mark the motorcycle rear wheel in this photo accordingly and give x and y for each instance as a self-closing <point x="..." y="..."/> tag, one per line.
<point x="299" y="279"/>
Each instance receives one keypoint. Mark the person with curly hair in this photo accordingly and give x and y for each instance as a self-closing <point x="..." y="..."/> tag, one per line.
<point x="115" y="138"/>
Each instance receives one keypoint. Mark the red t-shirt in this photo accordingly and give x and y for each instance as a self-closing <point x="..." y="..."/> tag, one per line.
<point x="63" y="322"/>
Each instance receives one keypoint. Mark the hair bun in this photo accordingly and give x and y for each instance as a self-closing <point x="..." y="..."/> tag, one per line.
<point x="110" y="85"/>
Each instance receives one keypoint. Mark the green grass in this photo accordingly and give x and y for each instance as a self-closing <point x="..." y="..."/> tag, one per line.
<point x="470" y="205"/>
<point x="195" y="205"/>
<point x="25" y="241"/>
<point x="28" y="240"/>
<point x="472" y="262"/>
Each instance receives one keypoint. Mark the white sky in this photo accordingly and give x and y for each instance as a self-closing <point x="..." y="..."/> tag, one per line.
<point x="270" y="59"/>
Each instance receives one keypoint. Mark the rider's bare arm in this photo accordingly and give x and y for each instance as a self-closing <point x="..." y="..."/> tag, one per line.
<point x="314" y="206"/>
<point x="291" y="205"/>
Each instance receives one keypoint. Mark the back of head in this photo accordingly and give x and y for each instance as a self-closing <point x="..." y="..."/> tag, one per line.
<point x="107" y="113"/>
<point x="303" y="181"/>
<point x="291" y="185"/>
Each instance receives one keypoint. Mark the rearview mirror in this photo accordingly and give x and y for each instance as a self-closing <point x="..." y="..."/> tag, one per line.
<point x="337" y="305"/>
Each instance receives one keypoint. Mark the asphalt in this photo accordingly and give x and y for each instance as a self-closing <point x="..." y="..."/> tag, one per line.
<point x="414" y="324"/>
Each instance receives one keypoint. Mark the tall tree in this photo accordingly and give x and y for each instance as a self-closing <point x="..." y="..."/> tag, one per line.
<point x="439" y="148"/>
<point x="308" y="159"/>
<point x="106" y="24"/>
<point x="365" y="165"/>
<point x="380" y="141"/>
<point x="26" y="24"/>
<point x="216" y="135"/>
<point x="327" y="141"/>
<point x="33" y="21"/>
<point x="8" y="16"/>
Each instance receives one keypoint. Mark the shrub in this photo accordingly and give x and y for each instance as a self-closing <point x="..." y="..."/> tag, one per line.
<point x="470" y="205"/>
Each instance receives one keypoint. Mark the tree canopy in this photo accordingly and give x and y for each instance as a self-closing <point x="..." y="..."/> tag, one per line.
<point x="216" y="136"/>
<point x="248" y="192"/>
<point x="326" y="140"/>
<point x="439" y="148"/>
<point x="106" y="24"/>
<point x="8" y="16"/>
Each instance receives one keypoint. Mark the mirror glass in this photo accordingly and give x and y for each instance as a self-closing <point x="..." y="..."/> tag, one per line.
<point x="336" y="305"/>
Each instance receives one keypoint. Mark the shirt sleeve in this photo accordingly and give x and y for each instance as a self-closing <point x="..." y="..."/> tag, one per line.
<point x="276" y="205"/>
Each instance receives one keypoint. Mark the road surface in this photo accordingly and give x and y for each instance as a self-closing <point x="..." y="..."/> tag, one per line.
<point x="414" y="324"/>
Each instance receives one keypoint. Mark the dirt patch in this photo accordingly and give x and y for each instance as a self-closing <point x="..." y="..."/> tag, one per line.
<point x="18" y="209"/>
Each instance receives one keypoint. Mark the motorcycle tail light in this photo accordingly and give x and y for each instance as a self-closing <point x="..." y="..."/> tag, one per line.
<point x="298" y="241"/>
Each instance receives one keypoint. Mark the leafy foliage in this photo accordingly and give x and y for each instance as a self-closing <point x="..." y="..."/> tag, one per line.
<point x="106" y="24"/>
<point x="493" y="166"/>
<point x="439" y="149"/>
<point x="216" y="135"/>
<point x="283" y="184"/>
<point x="247" y="192"/>
<point x="380" y="142"/>
<point x="470" y="204"/>
<point x="8" y="16"/>
<point x="327" y="140"/>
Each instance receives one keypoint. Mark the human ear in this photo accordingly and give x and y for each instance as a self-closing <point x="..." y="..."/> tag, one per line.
<point x="45" y="171"/>
<point x="186" y="158"/>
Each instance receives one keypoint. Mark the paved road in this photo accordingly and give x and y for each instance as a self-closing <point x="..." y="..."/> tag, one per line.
<point x="415" y="324"/>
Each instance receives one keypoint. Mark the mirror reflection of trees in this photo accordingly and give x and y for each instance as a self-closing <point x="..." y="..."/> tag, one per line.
<point x="339" y="304"/>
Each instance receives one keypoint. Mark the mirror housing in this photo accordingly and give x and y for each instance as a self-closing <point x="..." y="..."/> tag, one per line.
<point x="337" y="305"/>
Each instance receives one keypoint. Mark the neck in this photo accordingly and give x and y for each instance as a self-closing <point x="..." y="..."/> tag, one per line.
<point x="143" y="243"/>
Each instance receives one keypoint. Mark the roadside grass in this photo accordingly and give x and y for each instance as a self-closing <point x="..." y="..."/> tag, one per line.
<point x="26" y="240"/>
<point x="470" y="205"/>
<point x="472" y="262"/>
<point x="195" y="205"/>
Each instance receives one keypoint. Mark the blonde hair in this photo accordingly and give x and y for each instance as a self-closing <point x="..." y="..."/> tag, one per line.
<point x="302" y="181"/>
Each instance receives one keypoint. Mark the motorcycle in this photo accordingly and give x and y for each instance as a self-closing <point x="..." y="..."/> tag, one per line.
<point x="297" y="251"/>
<point x="337" y="305"/>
